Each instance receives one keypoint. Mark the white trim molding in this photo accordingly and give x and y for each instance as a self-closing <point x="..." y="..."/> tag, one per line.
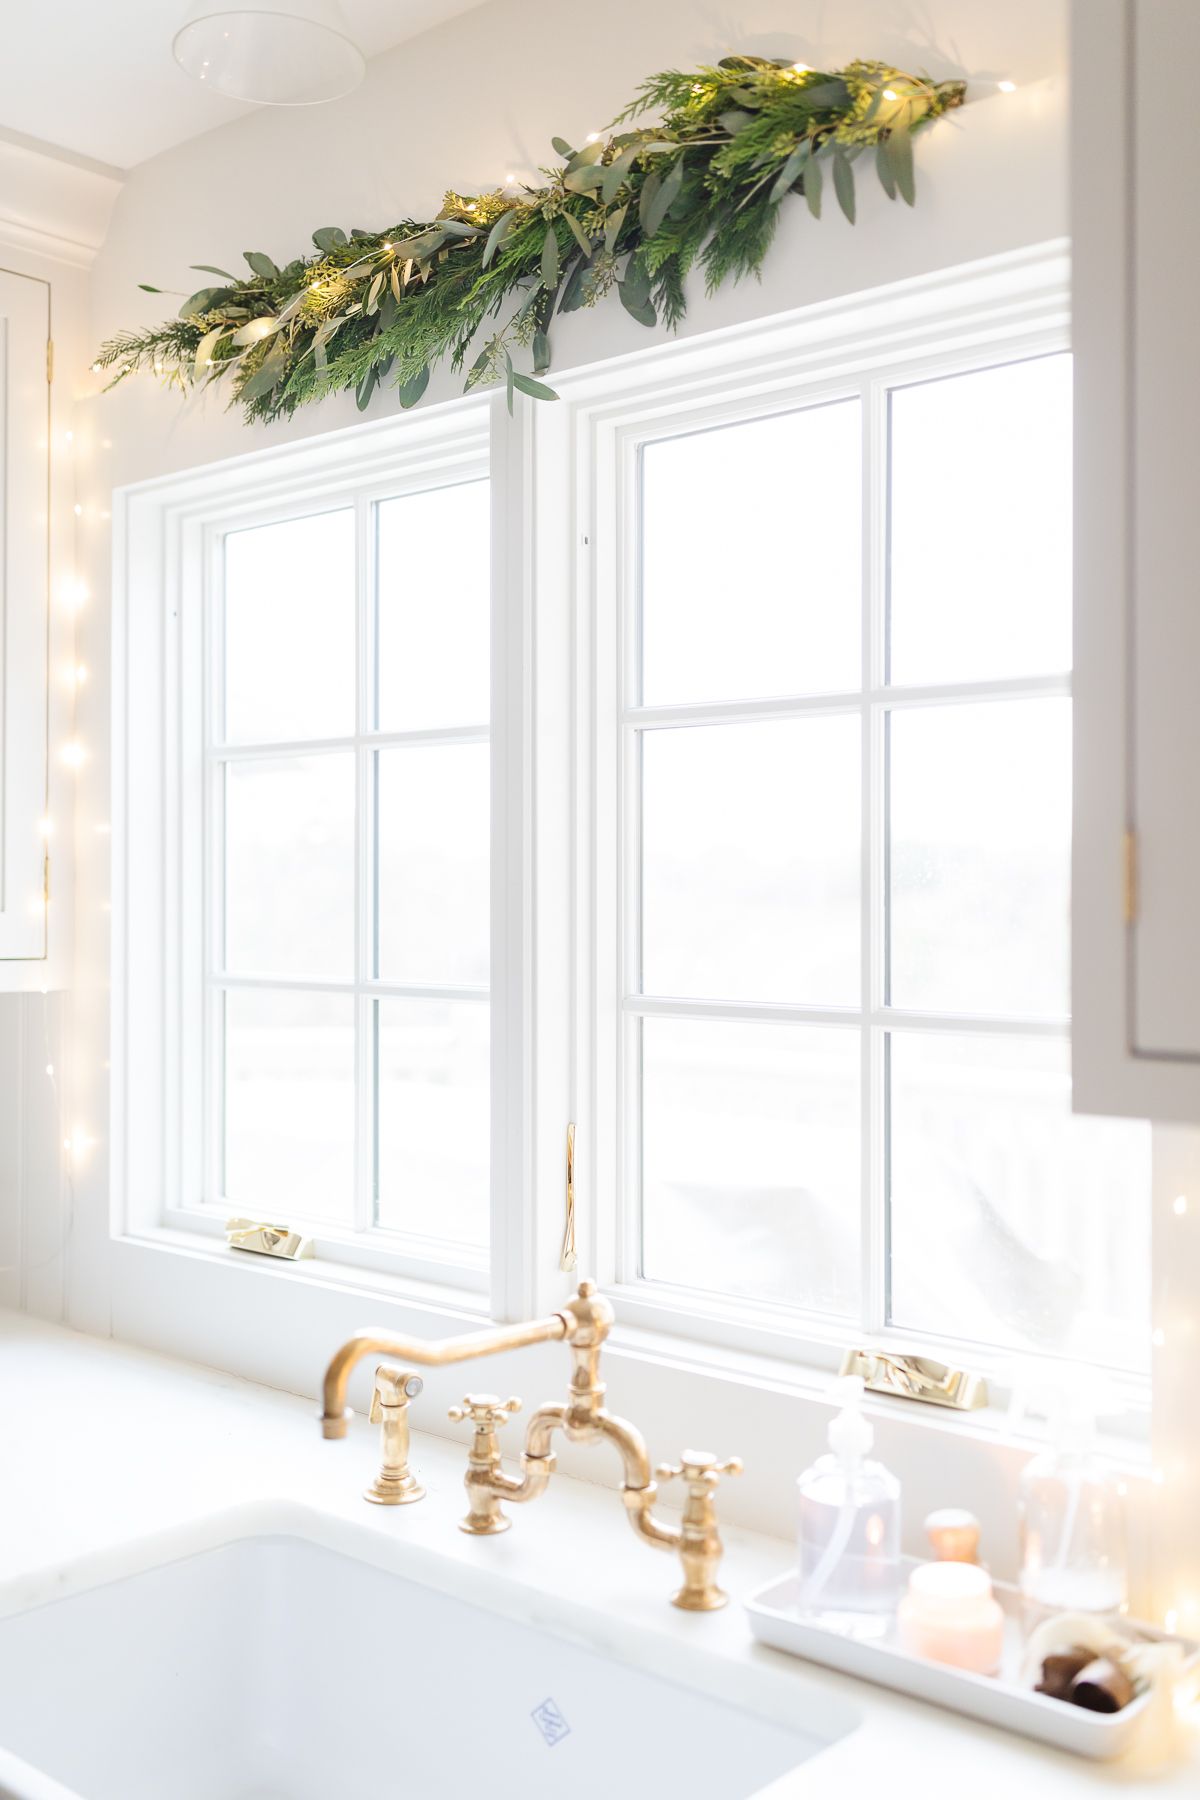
<point x="54" y="205"/>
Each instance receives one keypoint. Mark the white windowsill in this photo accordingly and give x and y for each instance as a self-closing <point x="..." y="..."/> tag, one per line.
<point x="281" y="1321"/>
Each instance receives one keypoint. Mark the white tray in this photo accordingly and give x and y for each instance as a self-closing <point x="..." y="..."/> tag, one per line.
<point x="997" y="1700"/>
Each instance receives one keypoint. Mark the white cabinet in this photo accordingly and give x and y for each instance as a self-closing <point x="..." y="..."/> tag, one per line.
<point x="24" y="614"/>
<point x="1136" y="247"/>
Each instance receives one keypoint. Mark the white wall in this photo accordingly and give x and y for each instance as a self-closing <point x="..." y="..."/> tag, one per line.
<point x="464" y="106"/>
<point x="53" y="215"/>
<point x="481" y="97"/>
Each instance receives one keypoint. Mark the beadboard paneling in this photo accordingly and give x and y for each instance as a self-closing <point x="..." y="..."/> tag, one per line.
<point x="33" y="1190"/>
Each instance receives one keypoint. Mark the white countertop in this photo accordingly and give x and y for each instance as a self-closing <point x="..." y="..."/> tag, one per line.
<point x="104" y="1448"/>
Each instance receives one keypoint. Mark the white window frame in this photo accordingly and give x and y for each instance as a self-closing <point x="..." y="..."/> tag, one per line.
<point x="1006" y="310"/>
<point x="737" y="1385"/>
<point x="168" y="822"/>
<point x="621" y="721"/>
<point x="202" y="655"/>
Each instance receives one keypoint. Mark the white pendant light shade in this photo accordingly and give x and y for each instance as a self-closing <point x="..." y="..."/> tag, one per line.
<point x="274" y="52"/>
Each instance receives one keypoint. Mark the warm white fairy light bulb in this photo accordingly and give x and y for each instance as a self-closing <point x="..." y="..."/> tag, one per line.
<point x="890" y="94"/>
<point x="73" y="754"/>
<point x="1179" y="1205"/>
<point x="1007" y="87"/>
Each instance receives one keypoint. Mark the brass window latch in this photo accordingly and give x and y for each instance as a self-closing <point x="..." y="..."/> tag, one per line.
<point x="909" y="1377"/>
<point x="267" y="1240"/>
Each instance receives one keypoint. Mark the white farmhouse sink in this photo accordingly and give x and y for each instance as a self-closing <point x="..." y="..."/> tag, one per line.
<point x="272" y="1667"/>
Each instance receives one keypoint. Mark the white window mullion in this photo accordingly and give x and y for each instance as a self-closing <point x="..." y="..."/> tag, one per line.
<point x="365" y="848"/>
<point x="212" y="928"/>
<point x="513" y="1212"/>
<point x="600" y="552"/>
<point x="629" y="740"/>
<point x="873" y="1297"/>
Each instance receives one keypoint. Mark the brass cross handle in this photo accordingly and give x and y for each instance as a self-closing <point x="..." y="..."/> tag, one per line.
<point x="700" y="1469"/>
<point x="486" y="1411"/>
<point x="485" y="1516"/>
<point x="698" y="1540"/>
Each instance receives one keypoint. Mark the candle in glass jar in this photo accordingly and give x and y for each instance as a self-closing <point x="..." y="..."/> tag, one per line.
<point x="950" y="1615"/>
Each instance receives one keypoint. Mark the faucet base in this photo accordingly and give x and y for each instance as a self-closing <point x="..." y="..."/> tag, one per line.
<point x="385" y="1491"/>
<point x="709" y="1599"/>
<point x="475" y="1526"/>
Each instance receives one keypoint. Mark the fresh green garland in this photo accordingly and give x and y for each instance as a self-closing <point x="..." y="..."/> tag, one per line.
<point x="635" y="211"/>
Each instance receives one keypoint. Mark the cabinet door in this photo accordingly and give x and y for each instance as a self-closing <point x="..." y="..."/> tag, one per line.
<point x="1164" y="385"/>
<point x="1136" y="247"/>
<point x="24" y="611"/>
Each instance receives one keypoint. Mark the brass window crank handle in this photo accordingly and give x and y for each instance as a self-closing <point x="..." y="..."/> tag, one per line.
<point x="395" y="1484"/>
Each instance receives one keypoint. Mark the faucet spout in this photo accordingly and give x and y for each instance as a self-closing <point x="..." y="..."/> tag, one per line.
<point x="428" y="1353"/>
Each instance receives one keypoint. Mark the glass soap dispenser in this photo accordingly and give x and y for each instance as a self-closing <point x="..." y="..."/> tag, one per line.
<point x="1072" y="1523"/>
<point x="849" y="1529"/>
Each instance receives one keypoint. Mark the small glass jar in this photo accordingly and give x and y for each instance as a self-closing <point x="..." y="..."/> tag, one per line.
<point x="1072" y="1533"/>
<point x="950" y="1615"/>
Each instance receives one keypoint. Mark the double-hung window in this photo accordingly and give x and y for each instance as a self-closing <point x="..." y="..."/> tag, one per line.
<point x="345" y="1006"/>
<point x="833" y="806"/>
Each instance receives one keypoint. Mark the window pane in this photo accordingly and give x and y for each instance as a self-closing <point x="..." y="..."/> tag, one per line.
<point x="750" y="558"/>
<point x="751" y="861"/>
<point x="1012" y="1221"/>
<point x="981" y="524"/>
<point x="289" y="1105"/>
<point x="289" y="629"/>
<point x="980" y="848"/>
<point x="433" y="863"/>
<point x="434" y="1176"/>
<point x="750" y="1156"/>
<point x="434" y="636"/>
<point x="289" y="866"/>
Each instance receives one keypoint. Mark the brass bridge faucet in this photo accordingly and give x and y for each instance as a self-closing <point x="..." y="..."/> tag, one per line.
<point x="583" y="1324"/>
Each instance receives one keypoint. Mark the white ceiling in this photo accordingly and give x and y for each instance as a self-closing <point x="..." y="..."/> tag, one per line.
<point x="97" y="78"/>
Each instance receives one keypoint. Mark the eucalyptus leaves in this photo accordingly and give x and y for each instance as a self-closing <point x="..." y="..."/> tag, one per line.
<point x="634" y="211"/>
